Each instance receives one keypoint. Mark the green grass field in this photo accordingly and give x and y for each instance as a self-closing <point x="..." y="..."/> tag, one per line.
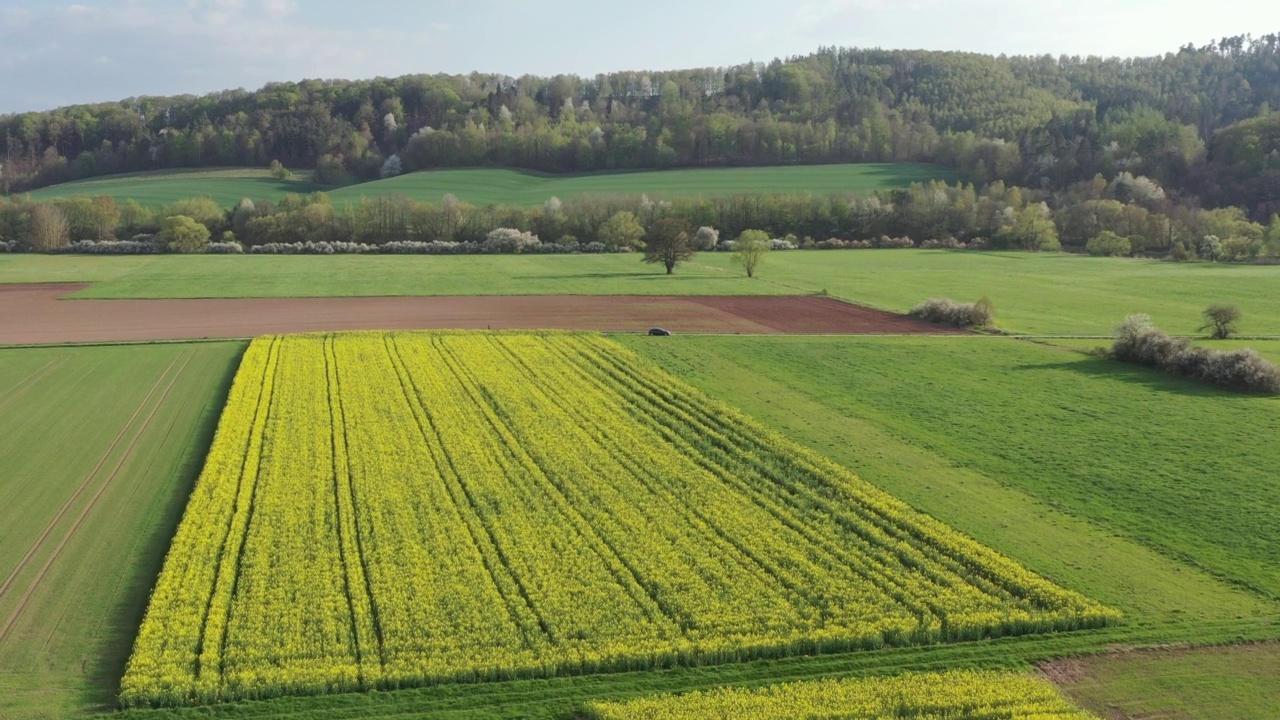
<point x="159" y="187"/>
<point x="1035" y="294"/>
<point x="1210" y="684"/>
<point x="100" y="446"/>
<point x="484" y="186"/>
<point x="1076" y="431"/>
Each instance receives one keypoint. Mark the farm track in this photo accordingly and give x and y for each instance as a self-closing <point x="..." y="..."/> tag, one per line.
<point x="25" y="600"/>
<point x="39" y="314"/>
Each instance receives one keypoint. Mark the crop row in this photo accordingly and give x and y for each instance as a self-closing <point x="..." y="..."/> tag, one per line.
<point x="387" y="510"/>
<point x="927" y="696"/>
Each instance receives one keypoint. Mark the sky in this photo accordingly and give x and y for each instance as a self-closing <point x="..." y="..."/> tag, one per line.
<point x="55" y="53"/>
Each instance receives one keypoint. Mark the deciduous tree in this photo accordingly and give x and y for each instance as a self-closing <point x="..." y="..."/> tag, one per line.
<point x="621" y="230"/>
<point x="1220" y="320"/>
<point x="183" y="234"/>
<point x="49" y="229"/>
<point x="667" y="243"/>
<point x="750" y="248"/>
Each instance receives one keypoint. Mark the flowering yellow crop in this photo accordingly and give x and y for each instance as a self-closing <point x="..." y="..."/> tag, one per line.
<point x="381" y="510"/>
<point x="927" y="696"/>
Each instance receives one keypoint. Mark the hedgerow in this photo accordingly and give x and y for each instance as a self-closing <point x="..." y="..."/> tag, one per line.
<point x="1139" y="341"/>
<point x="949" y="312"/>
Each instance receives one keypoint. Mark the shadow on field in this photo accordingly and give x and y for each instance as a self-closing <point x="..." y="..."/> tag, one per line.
<point x="1099" y="368"/>
<point x="123" y="620"/>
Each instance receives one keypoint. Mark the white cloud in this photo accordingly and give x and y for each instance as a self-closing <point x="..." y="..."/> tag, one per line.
<point x="279" y="8"/>
<point x="88" y="53"/>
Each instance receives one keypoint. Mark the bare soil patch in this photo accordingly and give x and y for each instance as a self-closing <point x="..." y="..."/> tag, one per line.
<point x="37" y="314"/>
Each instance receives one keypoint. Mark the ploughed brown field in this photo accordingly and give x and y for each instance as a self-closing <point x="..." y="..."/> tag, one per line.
<point x="37" y="314"/>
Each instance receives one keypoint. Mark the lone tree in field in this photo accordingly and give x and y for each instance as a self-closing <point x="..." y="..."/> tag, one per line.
<point x="667" y="242"/>
<point x="1220" y="320"/>
<point x="750" y="248"/>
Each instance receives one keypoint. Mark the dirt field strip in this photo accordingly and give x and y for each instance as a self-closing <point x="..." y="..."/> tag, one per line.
<point x="35" y="584"/>
<point x="84" y="484"/>
<point x="37" y="314"/>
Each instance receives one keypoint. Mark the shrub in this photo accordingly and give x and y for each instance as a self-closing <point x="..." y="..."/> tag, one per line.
<point x="1108" y="244"/>
<point x="145" y="246"/>
<point x="313" y="248"/>
<point x="435" y="247"/>
<point x="224" y="248"/>
<point x="8" y="246"/>
<point x="509" y="240"/>
<point x="949" y="312"/>
<point x="946" y="243"/>
<point x="1210" y="247"/>
<point x="707" y="238"/>
<point x="899" y="242"/>
<point x="1140" y="342"/>
<point x="782" y="244"/>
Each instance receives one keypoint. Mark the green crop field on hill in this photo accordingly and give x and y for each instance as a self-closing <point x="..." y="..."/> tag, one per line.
<point x="158" y="188"/>
<point x="513" y="187"/>
<point x="484" y="186"/>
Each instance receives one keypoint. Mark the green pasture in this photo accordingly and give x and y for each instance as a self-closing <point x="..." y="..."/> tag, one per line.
<point x="1034" y="293"/>
<point x="1181" y="467"/>
<point x="99" y="447"/>
<point x="503" y="186"/>
<point x="158" y="188"/>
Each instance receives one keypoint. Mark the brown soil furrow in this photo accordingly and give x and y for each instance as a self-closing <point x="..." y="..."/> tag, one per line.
<point x="41" y="317"/>
<point x="48" y="528"/>
<point x="35" y="584"/>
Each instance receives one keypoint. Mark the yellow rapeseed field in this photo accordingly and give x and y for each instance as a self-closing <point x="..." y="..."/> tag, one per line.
<point x="382" y="510"/>
<point x="925" y="696"/>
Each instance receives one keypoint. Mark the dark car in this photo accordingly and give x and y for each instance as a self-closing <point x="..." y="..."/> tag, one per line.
<point x="659" y="331"/>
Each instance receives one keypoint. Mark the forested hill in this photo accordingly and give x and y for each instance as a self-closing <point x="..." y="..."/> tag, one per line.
<point x="1034" y="121"/>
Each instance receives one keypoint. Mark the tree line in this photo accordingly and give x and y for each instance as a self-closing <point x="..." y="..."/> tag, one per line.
<point x="1197" y="121"/>
<point x="1127" y="215"/>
